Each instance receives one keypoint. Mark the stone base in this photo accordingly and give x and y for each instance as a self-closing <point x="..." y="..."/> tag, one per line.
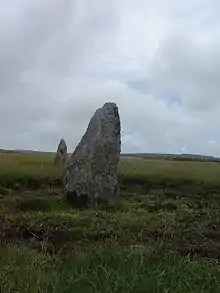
<point x="83" y="201"/>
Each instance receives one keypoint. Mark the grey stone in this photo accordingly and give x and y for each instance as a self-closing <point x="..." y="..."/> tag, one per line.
<point x="90" y="176"/>
<point x="61" y="154"/>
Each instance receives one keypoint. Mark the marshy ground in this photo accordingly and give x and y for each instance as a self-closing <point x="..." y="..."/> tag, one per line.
<point x="164" y="236"/>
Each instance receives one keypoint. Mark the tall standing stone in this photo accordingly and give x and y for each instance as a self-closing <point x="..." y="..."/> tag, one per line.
<point x="91" y="172"/>
<point x="61" y="154"/>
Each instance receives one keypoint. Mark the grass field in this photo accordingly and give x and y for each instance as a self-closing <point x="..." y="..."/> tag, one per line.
<point x="164" y="236"/>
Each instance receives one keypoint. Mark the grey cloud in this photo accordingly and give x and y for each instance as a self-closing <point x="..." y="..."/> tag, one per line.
<point x="45" y="47"/>
<point x="62" y="60"/>
<point x="190" y="68"/>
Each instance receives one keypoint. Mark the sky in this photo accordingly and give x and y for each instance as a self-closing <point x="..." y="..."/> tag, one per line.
<point x="158" y="60"/>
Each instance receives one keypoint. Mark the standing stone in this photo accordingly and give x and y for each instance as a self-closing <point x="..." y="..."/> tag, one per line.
<point x="90" y="175"/>
<point x="61" y="155"/>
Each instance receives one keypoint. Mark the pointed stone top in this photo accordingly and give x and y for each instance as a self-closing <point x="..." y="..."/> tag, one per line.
<point x="61" y="153"/>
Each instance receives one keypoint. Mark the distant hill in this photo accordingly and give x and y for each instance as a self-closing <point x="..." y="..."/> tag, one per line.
<point x="175" y="157"/>
<point x="26" y="152"/>
<point x="6" y="151"/>
<point x="161" y="156"/>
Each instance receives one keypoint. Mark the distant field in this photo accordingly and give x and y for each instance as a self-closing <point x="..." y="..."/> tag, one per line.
<point x="27" y="169"/>
<point x="172" y="170"/>
<point x="164" y="236"/>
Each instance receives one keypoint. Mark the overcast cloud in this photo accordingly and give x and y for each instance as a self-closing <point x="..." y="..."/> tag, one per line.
<point x="159" y="60"/>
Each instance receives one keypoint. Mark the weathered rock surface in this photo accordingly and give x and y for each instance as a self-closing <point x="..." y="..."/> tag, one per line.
<point x="61" y="154"/>
<point x="91" y="172"/>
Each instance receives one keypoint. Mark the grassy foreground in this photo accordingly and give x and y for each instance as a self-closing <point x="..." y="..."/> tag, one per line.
<point x="109" y="269"/>
<point x="163" y="237"/>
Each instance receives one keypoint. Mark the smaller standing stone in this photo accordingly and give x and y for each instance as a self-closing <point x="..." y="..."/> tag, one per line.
<point x="61" y="154"/>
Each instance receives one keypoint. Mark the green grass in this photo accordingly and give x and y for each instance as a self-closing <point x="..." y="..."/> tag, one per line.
<point x="33" y="172"/>
<point x="186" y="224"/>
<point x="164" y="236"/>
<point x="109" y="268"/>
<point x="164" y="173"/>
<point x="21" y="172"/>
